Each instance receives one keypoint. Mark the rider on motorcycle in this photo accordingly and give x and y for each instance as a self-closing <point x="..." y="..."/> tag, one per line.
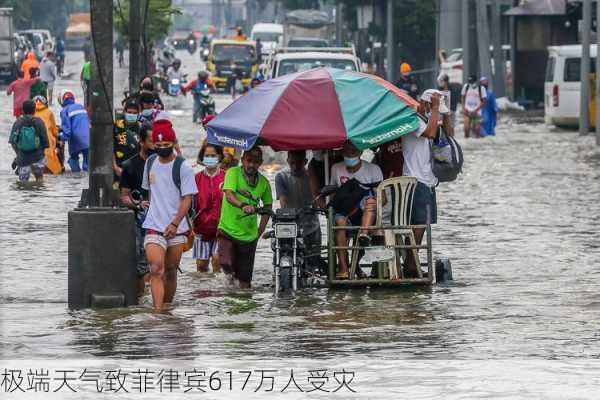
<point x="198" y="88"/>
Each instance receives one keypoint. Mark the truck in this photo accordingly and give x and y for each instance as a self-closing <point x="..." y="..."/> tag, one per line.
<point x="78" y="32"/>
<point x="307" y="24"/>
<point x="7" y="46"/>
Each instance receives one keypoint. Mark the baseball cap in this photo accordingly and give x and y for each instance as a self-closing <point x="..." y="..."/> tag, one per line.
<point x="162" y="131"/>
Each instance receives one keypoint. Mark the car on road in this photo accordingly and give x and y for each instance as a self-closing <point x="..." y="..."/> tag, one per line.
<point x="179" y="39"/>
<point x="451" y="63"/>
<point x="562" y="85"/>
<point x="288" y="61"/>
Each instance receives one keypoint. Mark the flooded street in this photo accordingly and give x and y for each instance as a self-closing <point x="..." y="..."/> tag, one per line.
<point x="521" y="226"/>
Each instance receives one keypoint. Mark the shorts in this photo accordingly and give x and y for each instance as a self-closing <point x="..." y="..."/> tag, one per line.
<point x="37" y="168"/>
<point x="424" y="196"/>
<point x="50" y="85"/>
<point x="356" y="218"/>
<point x="474" y="119"/>
<point x="204" y="249"/>
<point x="153" y="237"/>
<point x="236" y="257"/>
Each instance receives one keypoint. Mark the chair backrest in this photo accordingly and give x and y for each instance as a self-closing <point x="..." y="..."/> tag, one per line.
<point x="400" y="192"/>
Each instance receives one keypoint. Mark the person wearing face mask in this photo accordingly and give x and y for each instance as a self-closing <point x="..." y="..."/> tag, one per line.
<point x="208" y="202"/>
<point x="131" y="180"/>
<point x="473" y="100"/>
<point x="444" y="115"/>
<point x="238" y="232"/>
<point x="126" y="133"/>
<point x="171" y="186"/>
<point x="292" y="188"/>
<point x="362" y="213"/>
<point x="147" y="107"/>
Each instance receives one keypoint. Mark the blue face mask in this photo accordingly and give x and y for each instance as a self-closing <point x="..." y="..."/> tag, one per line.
<point x="210" y="162"/>
<point x="131" y="118"/>
<point x="147" y="112"/>
<point x="351" y="161"/>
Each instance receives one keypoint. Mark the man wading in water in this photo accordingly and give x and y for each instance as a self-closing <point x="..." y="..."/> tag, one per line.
<point x="238" y="232"/>
<point x="171" y="186"/>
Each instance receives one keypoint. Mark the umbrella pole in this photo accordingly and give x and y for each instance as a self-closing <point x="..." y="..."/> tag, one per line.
<point x="326" y="167"/>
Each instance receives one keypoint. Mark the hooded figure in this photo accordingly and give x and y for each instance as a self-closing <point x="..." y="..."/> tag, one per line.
<point x="75" y="126"/>
<point x="29" y="62"/>
<point x="47" y="116"/>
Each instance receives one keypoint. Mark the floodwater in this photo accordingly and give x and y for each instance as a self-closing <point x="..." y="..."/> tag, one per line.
<point x="521" y="227"/>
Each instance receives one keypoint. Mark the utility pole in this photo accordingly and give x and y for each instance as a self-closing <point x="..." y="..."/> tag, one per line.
<point x="584" y="114"/>
<point x="598" y="74"/>
<point x="466" y="40"/>
<point x="483" y="39"/>
<point x="391" y="43"/>
<point x="135" y="53"/>
<point x="339" y="20"/>
<point x="102" y="252"/>
<point x="499" y="62"/>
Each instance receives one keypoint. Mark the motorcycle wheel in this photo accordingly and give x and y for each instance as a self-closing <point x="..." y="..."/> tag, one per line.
<point x="285" y="281"/>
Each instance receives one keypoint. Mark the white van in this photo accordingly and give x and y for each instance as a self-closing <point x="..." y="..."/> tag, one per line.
<point x="270" y="35"/>
<point x="562" y="85"/>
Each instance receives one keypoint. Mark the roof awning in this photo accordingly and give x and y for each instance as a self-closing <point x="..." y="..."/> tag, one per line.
<point x="539" y="7"/>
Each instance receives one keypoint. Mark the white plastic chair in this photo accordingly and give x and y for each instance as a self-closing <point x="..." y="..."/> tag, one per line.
<point x="400" y="192"/>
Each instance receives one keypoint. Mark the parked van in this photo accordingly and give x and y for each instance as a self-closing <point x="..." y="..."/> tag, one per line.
<point x="270" y="35"/>
<point x="562" y="85"/>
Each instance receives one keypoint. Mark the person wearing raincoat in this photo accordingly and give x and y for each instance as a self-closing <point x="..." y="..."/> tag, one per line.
<point x="75" y="129"/>
<point x="489" y="112"/>
<point x="51" y="152"/>
<point x="29" y="62"/>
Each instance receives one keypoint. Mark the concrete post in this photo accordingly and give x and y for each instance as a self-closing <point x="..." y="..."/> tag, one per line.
<point x="499" y="59"/>
<point x="135" y="54"/>
<point x="598" y="74"/>
<point x="102" y="252"/>
<point x="483" y="39"/>
<point x="101" y="135"/>
<point x="466" y="41"/>
<point x="391" y="43"/>
<point x="584" y="115"/>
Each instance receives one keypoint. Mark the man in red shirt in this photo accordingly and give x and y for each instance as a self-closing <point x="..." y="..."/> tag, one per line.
<point x="20" y="89"/>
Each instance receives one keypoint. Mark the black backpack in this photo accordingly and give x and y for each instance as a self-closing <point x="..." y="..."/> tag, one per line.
<point x="448" y="168"/>
<point x="176" y="180"/>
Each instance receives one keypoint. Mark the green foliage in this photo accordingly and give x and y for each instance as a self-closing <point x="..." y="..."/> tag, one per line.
<point x="160" y="14"/>
<point x="44" y="14"/>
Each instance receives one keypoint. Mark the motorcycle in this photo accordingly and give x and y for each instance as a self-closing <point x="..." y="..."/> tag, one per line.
<point x="208" y="103"/>
<point x="294" y="266"/>
<point x="191" y="46"/>
<point x="175" y="85"/>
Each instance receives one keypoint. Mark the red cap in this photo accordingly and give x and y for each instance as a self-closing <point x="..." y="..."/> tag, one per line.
<point x="162" y="131"/>
<point x="207" y="119"/>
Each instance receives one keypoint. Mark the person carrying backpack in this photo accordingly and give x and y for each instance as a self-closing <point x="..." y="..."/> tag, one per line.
<point x="171" y="188"/>
<point x="29" y="139"/>
<point x="473" y="100"/>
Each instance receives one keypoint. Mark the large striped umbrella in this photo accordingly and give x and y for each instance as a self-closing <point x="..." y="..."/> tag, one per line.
<point x="316" y="109"/>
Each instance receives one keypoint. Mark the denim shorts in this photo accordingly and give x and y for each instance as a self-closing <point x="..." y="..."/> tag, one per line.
<point x="424" y="197"/>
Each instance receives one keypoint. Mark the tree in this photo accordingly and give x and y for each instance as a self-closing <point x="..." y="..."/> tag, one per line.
<point x="160" y="13"/>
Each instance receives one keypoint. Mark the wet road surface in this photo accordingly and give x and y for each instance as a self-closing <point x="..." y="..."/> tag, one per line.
<point x="521" y="226"/>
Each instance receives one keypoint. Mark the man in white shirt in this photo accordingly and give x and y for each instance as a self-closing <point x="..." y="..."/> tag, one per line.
<point x="473" y="99"/>
<point x="416" y="149"/>
<point x="364" y="212"/>
<point x="166" y="222"/>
